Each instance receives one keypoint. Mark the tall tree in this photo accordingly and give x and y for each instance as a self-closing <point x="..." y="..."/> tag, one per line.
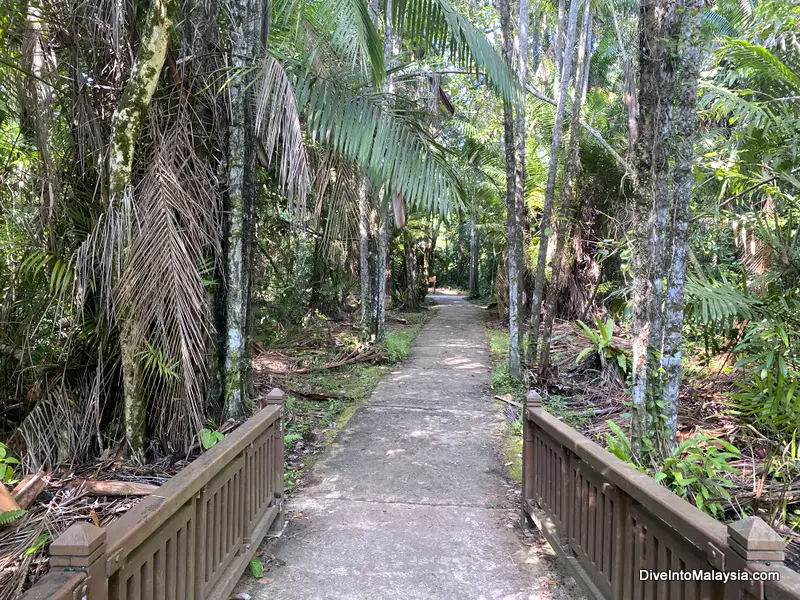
<point x="520" y="217"/>
<point x="682" y="177"/>
<point x="569" y="193"/>
<point x="474" y="256"/>
<point x="126" y="124"/>
<point x="514" y="231"/>
<point x="658" y="34"/>
<point x="550" y="187"/>
<point x="245" y="46"/>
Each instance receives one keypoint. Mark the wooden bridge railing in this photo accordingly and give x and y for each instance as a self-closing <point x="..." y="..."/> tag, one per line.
<point x="190" y="541"/>
<point x="609" y="522"/>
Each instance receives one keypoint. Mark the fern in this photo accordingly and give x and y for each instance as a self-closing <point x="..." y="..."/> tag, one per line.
<point x="9" y="516"/>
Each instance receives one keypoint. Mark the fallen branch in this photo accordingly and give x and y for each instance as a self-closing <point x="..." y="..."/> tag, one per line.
<point x="314" y="395"/>
<point x="95" y="487"/>
<point x="508" y="400"/>
<point x="27" y="490"/>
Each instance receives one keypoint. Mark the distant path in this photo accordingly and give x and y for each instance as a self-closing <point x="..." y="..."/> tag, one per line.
<point x="410" y="501"/>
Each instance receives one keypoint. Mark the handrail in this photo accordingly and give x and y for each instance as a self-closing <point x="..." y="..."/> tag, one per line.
<point x="696" y="526"/>
<point x="198" y="531"/>
<point x="609" y="521"/>
<point x="127" y="532"/>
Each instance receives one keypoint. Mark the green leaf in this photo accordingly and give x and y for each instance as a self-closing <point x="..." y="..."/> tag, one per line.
<point x="36" y="546"/>
<point x="209" y="438"/>
<point x="583" y="354"/>
<point x="9" y="516"/>
<point x="256" y="567"/>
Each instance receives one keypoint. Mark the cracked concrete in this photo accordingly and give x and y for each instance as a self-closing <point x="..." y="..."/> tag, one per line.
<point x="411" y="500"/>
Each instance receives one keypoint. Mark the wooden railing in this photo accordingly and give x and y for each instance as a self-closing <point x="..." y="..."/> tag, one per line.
<point x="609" y="522"/>
<point x="189" y="541"/>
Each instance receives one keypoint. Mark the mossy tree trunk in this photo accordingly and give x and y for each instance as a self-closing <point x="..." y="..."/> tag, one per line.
<point x="686" y="124"/>
<point x="474" y="257"/>
<point x="513" y="227"/>
<point x="245" y="33"/>
<point x="364" y="259"/>
<point x="521" y="217"/>
<point x="126" y="124"/>
<point x="657" y="79"/>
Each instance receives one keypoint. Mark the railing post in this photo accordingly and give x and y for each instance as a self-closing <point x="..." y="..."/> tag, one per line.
<point x="533" y="401"/>
<point x="276" y="397"/>
<point x="756" y="542"/>
<point x="82" y="547"/>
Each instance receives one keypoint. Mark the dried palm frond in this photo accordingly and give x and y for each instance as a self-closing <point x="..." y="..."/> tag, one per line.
<point x="161" y="287"/>
<point x="64" y="425"/>
<point x="277" y="123"/>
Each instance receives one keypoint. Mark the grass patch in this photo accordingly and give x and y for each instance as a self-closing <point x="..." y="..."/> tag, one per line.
<point x="500" y="379"/>
<point x="512" y="452"/>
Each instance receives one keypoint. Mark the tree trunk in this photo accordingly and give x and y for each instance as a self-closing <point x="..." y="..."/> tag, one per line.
<point x="363" y="256"/>
<point x="412" y="269"/>
<point x="514" y="276"/>
<point x="520" y="139"/>
<point x="686" y="122"/>
<point x="550" y="188"/>
<point x="570" y="188"/>
<point x="245" y="37"/>
<point x="657" y="23"/>
<point x="536" y="41"/>
<point x="474" y="258"/>
<point x="382" y="257"/>
<point x="126" y="123"/>
<point x="557" y="47"/>
<point x="629" y="86"/>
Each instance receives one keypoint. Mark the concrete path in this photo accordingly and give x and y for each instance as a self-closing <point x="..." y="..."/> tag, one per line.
<point x="411" y="501"/>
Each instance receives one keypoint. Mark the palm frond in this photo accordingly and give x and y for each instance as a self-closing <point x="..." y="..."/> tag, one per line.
<point x="356" y="33"/>
<point x="395" y="151"/>
<point x="715" y="301"/>
<point x="760" y="63"/>
<point x="161" y="288"/>
<point x="277" y="124"/>
<point x="437" y="26"/>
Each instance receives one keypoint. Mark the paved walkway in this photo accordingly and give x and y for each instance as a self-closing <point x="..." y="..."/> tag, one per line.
<point x="411" y="501"/>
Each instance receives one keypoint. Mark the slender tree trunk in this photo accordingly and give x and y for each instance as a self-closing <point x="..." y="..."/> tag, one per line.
<point x="520" y="139"/>
<point x="39" y="97"/>
<point x="474" y="257"/>
<point x="381" y="269"/>
<point x="536" y="41"/>
<point x="245" y="38"/>
<point x="550" y="188"/>
<point x="570" y="189"/>
<point x="514" y="253"/>
<point x="412" y="270"/>
<point x="686" y="123"/>
<point x="629" y="86"/>
<point x="363" y="262"/>
<point x="657" y="23"/>
<point x="374" y="279"/>
<point x="382" y="214"/>
<point x="557" y="47"/>
<point x="126" y="123"/>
